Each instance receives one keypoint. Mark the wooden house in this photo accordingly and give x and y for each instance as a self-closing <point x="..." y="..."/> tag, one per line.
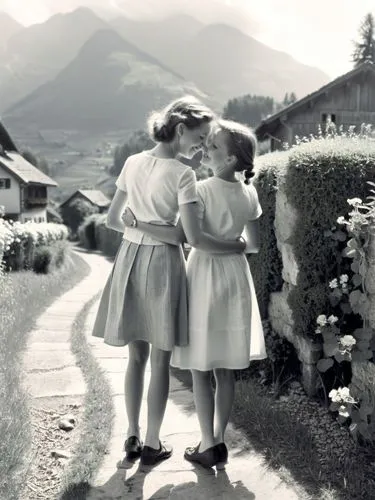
<point x="95" y="197"/>
<point x="348" y="100"/>
<point x="23" y="188"/>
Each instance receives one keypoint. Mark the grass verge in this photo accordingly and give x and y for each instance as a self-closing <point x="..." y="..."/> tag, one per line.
<point x="24" y="296"/>
<point x="97" y="419"/>
<point x="300" y="439"/>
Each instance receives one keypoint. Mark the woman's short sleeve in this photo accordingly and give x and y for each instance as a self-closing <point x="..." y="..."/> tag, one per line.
<point x="187" y="187"/>
<point x="255" y="208"/>
<point x="121" y="179"/>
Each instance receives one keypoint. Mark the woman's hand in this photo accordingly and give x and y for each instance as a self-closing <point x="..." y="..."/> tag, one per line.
<point x="129" y="218"/>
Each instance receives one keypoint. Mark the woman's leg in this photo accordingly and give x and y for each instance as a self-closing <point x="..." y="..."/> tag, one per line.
<point x="204" y="404"/>
<point x="134" y="382"/>
<point x="224" y="397"/>
<point x="157" y="395"/>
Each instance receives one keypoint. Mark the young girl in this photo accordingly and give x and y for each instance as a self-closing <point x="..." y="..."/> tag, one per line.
<point x="144" y="301"/>
<point x="223" y="310"/>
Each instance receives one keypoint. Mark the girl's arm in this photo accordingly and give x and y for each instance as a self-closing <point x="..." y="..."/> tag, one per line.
<point x="175" y="235"/>
<point x="203" y="241"/>
<point x="252" y="236"/>
<point x="115" y="210"/>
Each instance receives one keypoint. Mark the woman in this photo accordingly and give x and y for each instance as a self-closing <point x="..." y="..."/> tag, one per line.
<point x="223" y="309"/>
<point x="144" y="301"/>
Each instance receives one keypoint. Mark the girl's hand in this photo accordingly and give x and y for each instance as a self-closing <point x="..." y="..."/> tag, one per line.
<point x="129" y="218"/>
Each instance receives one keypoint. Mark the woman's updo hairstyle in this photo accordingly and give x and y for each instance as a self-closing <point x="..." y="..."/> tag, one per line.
<point x="241" y="143"/>
<point x="187" y="110"/>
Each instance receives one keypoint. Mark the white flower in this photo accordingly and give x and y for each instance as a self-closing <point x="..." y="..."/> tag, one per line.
<point x="335" y="396"/>
<point x="332" y="319"/>
<point x="333" y="283"/>
<point x="341" y="395"/>
<point x="343" y="411"/>
<point x="321" y="320"/>
<point x="341" y="220"/>
<point x="354" y="201"/>
<point x="344" y="278"/>
<point x="348" y="341"/>
<point x="318" y="330"/>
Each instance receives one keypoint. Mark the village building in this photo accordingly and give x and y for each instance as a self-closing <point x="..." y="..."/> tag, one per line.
<point x="346" y="101"/>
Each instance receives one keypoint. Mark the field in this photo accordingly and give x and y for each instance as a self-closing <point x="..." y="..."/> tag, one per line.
<point x="76" y="159"/>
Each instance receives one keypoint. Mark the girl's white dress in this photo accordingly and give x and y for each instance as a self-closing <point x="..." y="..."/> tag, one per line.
<point x="225" y="329"/>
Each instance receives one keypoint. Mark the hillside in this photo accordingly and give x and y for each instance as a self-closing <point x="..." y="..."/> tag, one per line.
<point x="110" y="84"/>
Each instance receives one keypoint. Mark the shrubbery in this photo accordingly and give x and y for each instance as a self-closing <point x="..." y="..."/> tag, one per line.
<point x="322" y="175"/>
<point x="94" y="234"/>
<point x="36" y="246"/>
<point x="75" y="212"/>
<point x="266" y="266"/>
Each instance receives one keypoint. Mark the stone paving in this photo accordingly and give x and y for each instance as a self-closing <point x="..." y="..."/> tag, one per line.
<point x="52" y="373"/>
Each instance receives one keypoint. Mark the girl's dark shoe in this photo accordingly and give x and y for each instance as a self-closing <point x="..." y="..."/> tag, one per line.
<point x="222" y="453"/>
<point x="133" y="448"/>
<point x="207" y="458"/>
<point x="151" y="456"/>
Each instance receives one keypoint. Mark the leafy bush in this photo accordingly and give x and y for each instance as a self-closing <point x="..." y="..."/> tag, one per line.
<point x="94" y="234"/>
<point x="266" y="266"/>
<point x="321" y="175"/>
<point x="49" y="257"/>
<point x="75" y="212"/>
<point x="86" y="232"/>
<point x="18" y="242"/>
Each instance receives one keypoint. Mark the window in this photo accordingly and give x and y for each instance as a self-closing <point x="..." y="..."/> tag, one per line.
<point x="4" y="183"/>
<point x="331" y="117"/>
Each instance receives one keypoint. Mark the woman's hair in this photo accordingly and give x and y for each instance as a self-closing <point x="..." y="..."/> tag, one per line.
<point x="242" y="143"/>
<point x="187" y="110"/>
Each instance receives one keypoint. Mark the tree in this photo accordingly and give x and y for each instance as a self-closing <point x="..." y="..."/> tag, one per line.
<point x="248" y="109"/>
<point x="137" y="142"/>
<point x="39" y="162"/>
<point x="364" y="50"/>
<point x="288" y="99"/>
<point x="75" y="212"/>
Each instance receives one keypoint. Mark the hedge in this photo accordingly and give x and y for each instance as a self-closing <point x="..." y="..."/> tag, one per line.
<point x="321" y="175"/>
<point x="95" y="235"/>
<point x="266" y="266"/>
<point x="27" y="246"/>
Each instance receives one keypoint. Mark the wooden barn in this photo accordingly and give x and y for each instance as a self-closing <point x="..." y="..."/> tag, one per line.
<point x="348" y="100"/>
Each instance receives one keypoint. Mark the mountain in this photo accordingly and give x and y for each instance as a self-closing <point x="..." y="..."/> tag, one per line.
<point x="160" y="38"/>
<point x="8" y="27"/>
<point x="37" y="53"/>
<point x="221" y="59"/>
<point x="111" y="84"/>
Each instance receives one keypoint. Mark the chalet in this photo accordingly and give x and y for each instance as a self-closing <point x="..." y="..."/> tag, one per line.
<point x="23" y="188"/>
<point x="348" y="100"/>
<point x="93" y="196"/>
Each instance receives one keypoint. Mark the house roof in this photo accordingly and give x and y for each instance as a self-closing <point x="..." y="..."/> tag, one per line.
<point x="266" y="124"/>
<point x="95" y="196"/>
<point x="24" y="171"/>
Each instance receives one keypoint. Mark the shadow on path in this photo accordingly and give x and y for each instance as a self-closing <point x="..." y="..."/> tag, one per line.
<point x="209" y="485"/>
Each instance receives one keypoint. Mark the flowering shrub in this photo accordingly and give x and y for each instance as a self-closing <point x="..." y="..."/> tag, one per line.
<point x="18" y="241"/>
<point x="347" y="336"/>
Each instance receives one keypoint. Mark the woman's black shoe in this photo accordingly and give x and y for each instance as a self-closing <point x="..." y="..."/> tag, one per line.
<point x="222" y="452"/>
<point x="207" y="458"/>
<point x="151" y="456"/>
<point x="133" y="448"/>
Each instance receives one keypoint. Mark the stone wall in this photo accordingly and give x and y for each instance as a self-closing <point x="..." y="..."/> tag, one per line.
<point x="279" y="312"/>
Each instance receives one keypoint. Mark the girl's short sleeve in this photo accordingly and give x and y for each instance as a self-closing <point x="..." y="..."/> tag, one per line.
<point x="187" y="187"/>
<point x="255" y="208"/>
<point x="121" y="179"/>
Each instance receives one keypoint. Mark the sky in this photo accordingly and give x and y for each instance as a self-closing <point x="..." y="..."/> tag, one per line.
<point x="318" y="33"/>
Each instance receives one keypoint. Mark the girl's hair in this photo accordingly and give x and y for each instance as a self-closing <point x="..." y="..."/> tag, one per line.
<point x="242" y="143"/>
<point x="187" y="110"/>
